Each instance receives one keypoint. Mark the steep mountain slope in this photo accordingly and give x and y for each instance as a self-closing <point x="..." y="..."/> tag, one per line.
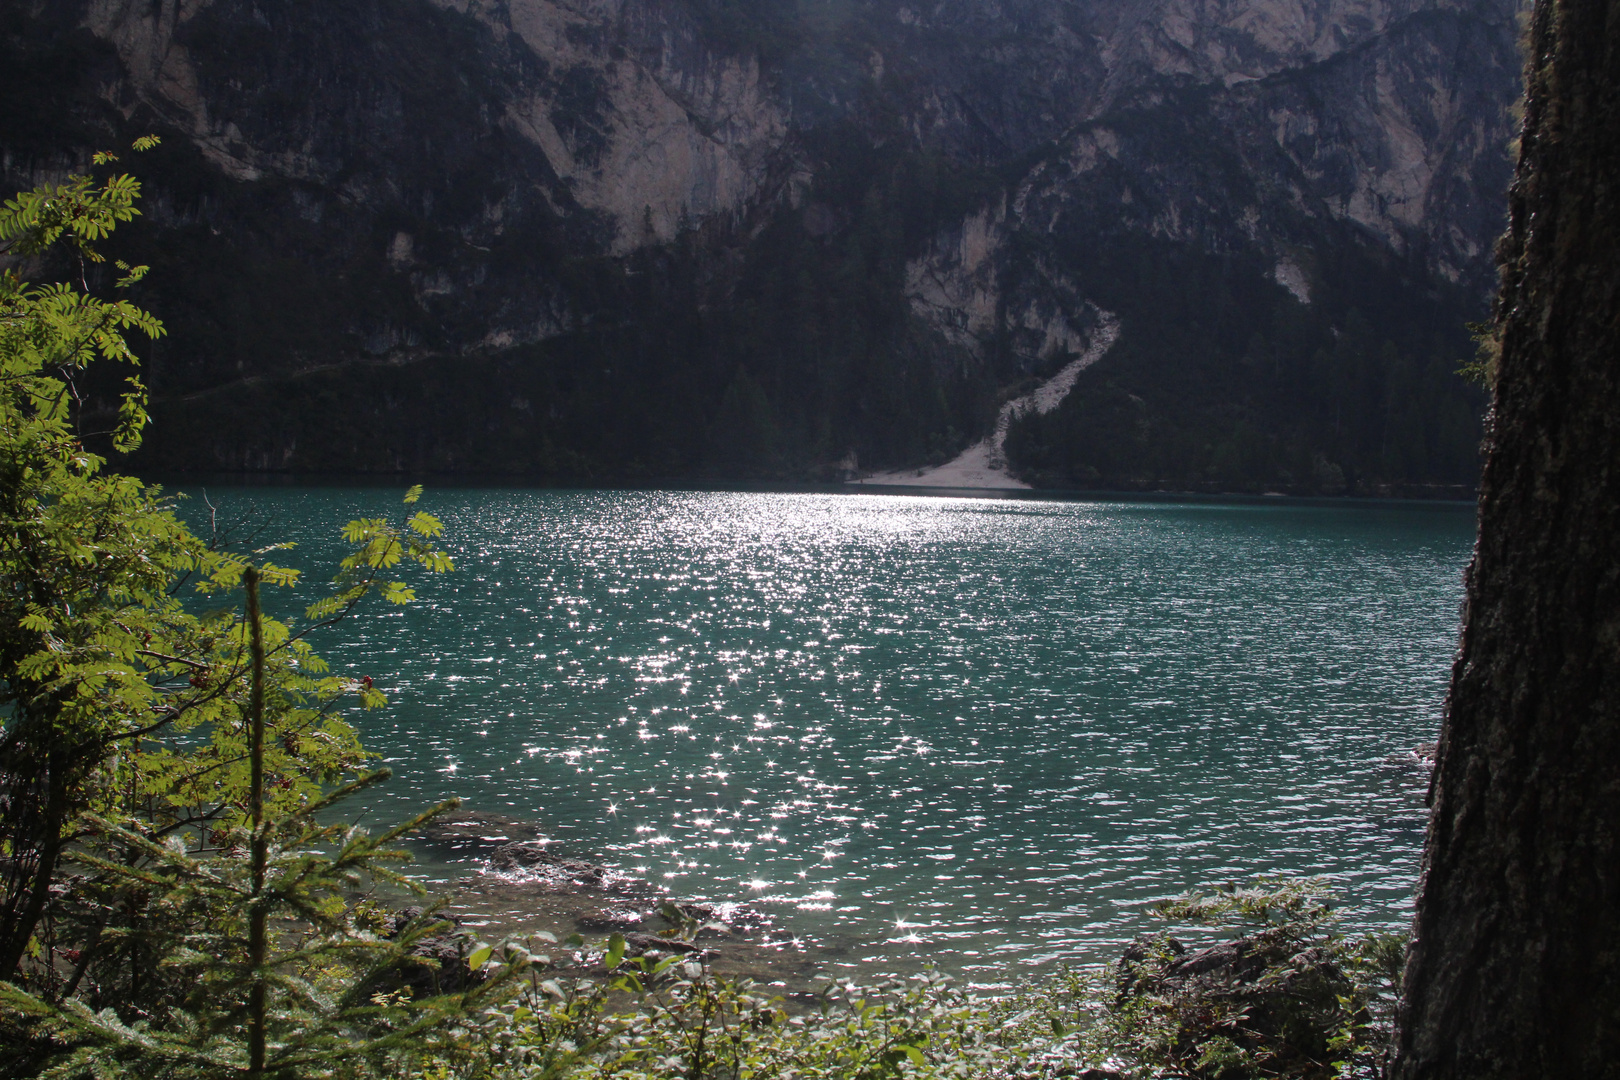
<point x="616" y="239"/>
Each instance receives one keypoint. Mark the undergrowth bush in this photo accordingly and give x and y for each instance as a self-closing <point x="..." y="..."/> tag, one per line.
<point x="1291" y="998"/>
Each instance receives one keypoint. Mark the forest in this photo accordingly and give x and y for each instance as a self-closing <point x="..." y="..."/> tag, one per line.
<point x="1250" y="390"/>
<point x="779" y="341"/>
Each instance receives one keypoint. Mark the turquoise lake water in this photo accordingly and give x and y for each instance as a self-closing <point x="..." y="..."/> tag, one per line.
<point x="982" y="731"/>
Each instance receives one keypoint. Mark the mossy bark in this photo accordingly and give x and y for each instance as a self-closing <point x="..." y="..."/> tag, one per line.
<point x="1514" y="969"/>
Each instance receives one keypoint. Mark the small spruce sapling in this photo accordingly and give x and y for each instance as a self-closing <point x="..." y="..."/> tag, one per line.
<point x="284" y="980"/>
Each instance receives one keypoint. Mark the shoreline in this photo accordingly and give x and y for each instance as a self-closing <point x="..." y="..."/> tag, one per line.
<point x="1414" y="493"/>
<point x="516" y="884"/>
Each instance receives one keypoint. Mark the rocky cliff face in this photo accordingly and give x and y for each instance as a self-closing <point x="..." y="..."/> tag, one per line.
<point x="619" y="238"/>
<point x="632" y="113"/>
<point x="1377" y="113"/>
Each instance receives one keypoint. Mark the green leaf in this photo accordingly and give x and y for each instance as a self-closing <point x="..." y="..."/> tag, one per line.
<point x="397" y="592"/>
<point x="480" y="957"/>
<point x="615" y="952"/>
<point x="426" y="524"/>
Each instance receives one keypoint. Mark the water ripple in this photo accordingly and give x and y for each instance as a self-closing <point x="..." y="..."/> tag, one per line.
<point x="984" y="731"/>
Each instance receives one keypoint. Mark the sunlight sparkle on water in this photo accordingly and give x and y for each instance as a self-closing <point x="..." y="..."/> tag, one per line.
<point x="1017" y="720"/>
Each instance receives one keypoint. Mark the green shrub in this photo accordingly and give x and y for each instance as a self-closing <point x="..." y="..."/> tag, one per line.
<point x="1303" y="1002"/>
<point x="1291" y="998"/>
<point x="170" y="906"/>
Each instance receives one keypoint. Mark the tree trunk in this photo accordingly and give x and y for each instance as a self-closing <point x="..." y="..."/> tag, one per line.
<point x="36" y="852"/>
<point x="1514" y="969"/>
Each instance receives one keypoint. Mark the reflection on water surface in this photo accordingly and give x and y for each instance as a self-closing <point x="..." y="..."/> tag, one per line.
<point x="977" y="730"/>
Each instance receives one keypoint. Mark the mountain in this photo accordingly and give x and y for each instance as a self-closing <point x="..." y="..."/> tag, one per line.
<point x="619" y="240"/>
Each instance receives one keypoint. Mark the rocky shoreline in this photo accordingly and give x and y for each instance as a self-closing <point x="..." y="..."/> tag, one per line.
<point x="522" y="884"/>
<point x="518" y="884"/>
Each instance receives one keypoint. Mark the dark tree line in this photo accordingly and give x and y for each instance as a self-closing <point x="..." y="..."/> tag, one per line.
<point x="1224" y="381"/>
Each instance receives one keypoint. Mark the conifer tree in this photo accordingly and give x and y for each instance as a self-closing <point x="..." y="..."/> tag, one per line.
<point x="267" y="969"/>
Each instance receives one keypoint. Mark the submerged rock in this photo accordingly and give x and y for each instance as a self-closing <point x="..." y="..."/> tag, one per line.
<point x="538" y="863"/>
<point x="535" y="885"/>
<point x="476" y="831"/>
<point x="608" y="920"/>
<point x="732" y="921"/>
<point x="720" y="919"/>
<point x="652" y="946"/>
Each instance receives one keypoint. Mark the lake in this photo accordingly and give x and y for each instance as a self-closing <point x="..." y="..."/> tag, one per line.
<point x="985" y="732"/>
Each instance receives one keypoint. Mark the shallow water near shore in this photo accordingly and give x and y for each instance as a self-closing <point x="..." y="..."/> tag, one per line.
<point x="981" y="733"/>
